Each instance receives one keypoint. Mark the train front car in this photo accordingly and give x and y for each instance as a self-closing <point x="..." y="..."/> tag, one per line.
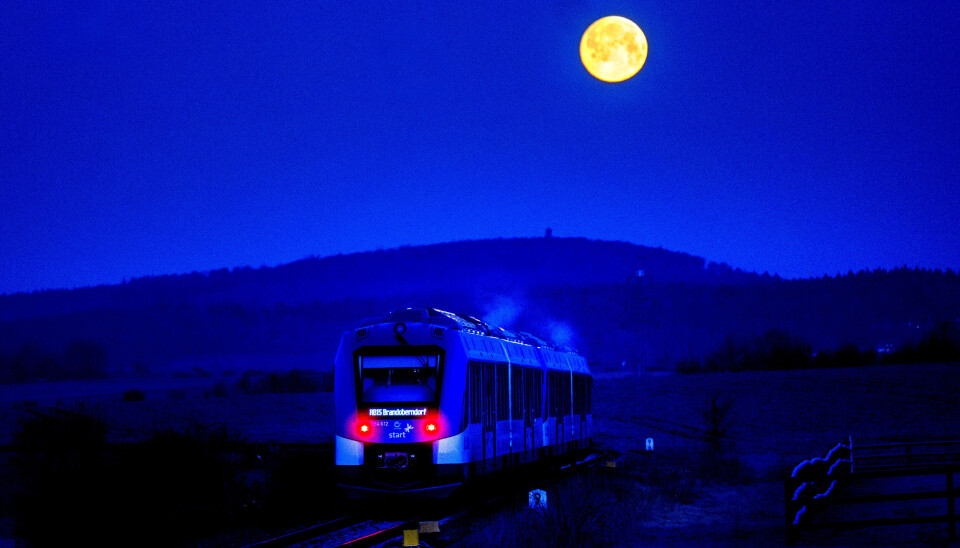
<point x="399" y="398"/>
<point x="426" y="399"/>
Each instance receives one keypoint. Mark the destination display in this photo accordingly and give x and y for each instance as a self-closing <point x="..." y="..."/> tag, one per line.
<point x="397" y="412"/>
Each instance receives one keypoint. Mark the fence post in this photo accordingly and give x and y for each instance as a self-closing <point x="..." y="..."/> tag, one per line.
<point x="951" y="513"/>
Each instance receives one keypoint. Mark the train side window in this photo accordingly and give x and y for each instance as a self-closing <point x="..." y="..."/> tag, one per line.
<point x="528" y="411"/>
<point x="539" y="402"/>
<point x="558" y="390"/>
<point x="589" y="395"/>
<point x="581" y="394"/>
<point x="503" y="406"/>
<point x="475" y="389"/>
<point x="489" y="397"/>
<point x="516" y="387"/>
<point x="546" y="401"/>
<point x="551" y="394"/>
<point x="576" y="394"/>
<point x="552" y="383"/>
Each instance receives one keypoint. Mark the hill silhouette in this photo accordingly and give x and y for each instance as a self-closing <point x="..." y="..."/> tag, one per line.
<point x="583" y="293"/>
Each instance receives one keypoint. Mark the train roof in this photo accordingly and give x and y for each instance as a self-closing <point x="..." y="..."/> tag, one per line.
<point x="477" y="339"/>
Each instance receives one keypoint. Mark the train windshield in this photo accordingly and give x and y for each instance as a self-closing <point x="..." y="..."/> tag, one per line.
<point x="410" y="378"/>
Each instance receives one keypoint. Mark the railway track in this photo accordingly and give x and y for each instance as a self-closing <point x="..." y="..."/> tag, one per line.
<point x="358" y="532"/>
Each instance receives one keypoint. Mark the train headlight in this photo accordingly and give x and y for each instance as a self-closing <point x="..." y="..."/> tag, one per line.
<point x="363" y="428"/>
<point x="399" y="329"/>
<point x="431" y="427"/>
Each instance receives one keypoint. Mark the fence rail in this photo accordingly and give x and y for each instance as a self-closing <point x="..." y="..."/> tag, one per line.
<point x="906" y="455"/>
<point x="809" y="491"/>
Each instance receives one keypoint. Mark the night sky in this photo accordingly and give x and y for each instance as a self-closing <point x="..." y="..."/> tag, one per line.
<point x="797" y="138"/>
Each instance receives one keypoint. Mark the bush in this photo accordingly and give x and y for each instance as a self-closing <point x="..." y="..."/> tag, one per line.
<point x="940" y="344"/>
<point x="847" y="356"/>
<point x="134" y="395"/>
<point x="687" y="367"/>
<point x="85" y="360"/>
<point x="771" y="351"/>
<point x="295" y="381"/>
<point x="60" y="465"/>
<point x="220" y="390"/>
<point x="179" y="486"/>
<point x="717" y="418"/>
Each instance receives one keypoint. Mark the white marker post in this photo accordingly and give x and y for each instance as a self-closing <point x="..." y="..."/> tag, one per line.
<point x="537" y="500"/>
<point x="649" y="447"/>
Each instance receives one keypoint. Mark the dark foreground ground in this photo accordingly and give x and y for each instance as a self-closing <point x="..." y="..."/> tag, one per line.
<point x="723" y="443"/>
<point x="699" y="488"/>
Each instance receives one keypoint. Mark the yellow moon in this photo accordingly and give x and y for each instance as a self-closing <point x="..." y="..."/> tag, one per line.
<point x="613" y="48"/>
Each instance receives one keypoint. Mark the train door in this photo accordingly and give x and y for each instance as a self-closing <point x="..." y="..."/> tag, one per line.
<point x="538" y="409"/>
<point x="489" y="415"/>
<point x="556" y="395"/>
<point x="518" y="430"/>
<point x="587" y="402"/>
<point x="528" y="396"/>
<point x="502" y="428"/>
<point x="562" y="412"/>
<point x="578" y="405"/>
<point x="475" y="427"/>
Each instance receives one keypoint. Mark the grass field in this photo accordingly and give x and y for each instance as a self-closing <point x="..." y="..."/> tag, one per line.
<point x="783" y="414"/>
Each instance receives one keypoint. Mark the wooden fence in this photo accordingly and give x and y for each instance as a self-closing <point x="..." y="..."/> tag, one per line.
<point x="818" y="484"/>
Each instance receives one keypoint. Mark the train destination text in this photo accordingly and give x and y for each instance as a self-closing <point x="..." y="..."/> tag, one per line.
<point x="386" y="412"/>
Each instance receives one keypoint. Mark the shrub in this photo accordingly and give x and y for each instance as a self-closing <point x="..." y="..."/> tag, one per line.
<point x="295" y="381"/>
<point x="134" y="395"/>
<point x="941" y="344"/>
<point x="772" y="350"/>
<point x="689" y="366"/>
<point x="179" y="486"/>
<point x="220" y="390"/>
<point x="60" y="465"/>
<point x="85" y="360"/>
<point x="717" y="417"/>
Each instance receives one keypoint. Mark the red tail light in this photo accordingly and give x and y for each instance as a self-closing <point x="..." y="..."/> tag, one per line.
<point x="431" y="427"/>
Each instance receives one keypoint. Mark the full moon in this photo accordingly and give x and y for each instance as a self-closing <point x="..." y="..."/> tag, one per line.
<point x="613" y="48"/>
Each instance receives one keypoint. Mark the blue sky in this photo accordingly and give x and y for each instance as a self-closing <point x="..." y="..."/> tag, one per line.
<point x="801" y="139"/>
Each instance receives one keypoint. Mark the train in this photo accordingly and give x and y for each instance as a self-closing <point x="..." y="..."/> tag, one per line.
<point x="428" y="400"/>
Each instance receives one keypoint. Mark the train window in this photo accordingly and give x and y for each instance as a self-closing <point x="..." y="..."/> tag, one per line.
<point x="398" y="378"/>
<point x="565" y="394"/>
<point x="474" y="388"/>
<point x="554" y="393"/>
<point x="529" y="395"/>
<point x="516" y="383"/>
<point x="576" y="394"/>
<point x="551" y="394"/>
<point x="503" y="409"/>
<point x="538" y="404"/>
<point x="489" y="397"/>
<point x="589" y="395"/>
